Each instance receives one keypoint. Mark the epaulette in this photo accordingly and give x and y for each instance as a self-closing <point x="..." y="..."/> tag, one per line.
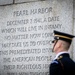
<point x="59" y="57"/>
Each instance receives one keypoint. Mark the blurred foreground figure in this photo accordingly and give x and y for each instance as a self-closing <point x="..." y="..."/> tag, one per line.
<point x="62" y="64"/>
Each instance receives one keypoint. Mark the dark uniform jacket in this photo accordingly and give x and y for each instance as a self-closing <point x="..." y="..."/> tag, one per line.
<point x="63" y="65"/>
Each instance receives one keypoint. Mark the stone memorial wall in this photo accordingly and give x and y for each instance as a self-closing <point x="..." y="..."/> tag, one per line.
<point x="26" y="32"/>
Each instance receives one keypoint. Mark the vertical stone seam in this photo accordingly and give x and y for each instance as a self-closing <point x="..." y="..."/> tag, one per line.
<point x="73" y="8"/>
<point x="73" y="30"/>
<point x="13" y="1"/>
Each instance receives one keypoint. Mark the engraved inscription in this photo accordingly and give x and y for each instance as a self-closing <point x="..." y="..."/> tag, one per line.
<point x="26" y="36"/>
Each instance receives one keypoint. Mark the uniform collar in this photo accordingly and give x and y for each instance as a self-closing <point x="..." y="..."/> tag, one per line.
<point x="60" y="54"/>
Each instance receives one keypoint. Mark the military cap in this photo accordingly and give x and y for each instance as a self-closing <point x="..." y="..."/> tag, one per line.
<point x="63" y="36"/>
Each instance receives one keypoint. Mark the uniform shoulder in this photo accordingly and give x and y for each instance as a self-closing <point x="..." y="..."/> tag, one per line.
<point x="54" y="61"/>
<point x="57" y="60"/>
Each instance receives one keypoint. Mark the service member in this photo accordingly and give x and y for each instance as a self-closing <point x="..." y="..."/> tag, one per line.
<point x="62" y="64"/>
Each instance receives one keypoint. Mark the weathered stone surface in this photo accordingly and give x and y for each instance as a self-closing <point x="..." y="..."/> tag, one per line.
<point x="26" y="32"/>
<point x="20" y="1"/>
<point x="4" y="2"/>
<point x="74" y="9"/>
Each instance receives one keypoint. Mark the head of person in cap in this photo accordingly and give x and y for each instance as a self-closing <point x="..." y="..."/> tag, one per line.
<point x="62" y="41"/>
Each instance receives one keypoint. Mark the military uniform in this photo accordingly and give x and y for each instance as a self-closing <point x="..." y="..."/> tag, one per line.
<point x="62" y="64"/>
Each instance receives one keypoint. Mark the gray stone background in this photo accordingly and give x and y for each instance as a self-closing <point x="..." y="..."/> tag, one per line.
<point x="70" y="29"/>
